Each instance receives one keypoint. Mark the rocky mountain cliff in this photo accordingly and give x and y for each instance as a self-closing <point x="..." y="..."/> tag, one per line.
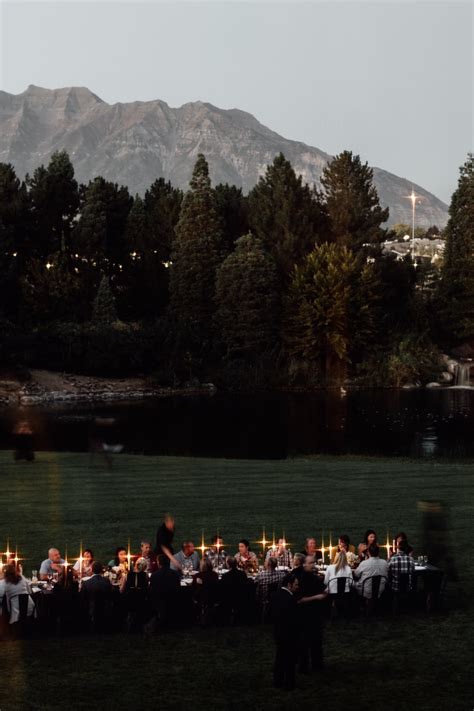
<point x="134" y="143"/>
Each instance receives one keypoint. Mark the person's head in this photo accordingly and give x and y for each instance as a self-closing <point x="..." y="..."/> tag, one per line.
<point x="244" y="547"/>
<point x="309" y="563"/>
<point x="97" y="568"/>
<point x="169" y="521"/>
<point x="141" y="565"/>
<point x="54" y="555"/>
<point x="370" y="537"/>
<point x="311" y="546"/>
<point x="271" y="563"/>
<point x="217" y="541"/>
<point x="344" y="542"/>
<point x="11" y="574"/>
<point x="163" y="561"/>
<point x="120" y="555"/>
<point x="402" y="545"/>
<point x="298" y="560"/>
<point x="402" y="536"/>
<point x="230" y="562"/>
<point x="281" y="544"/>
<point x="188" y="548"/>
<point x="88" y="556"/>
<point x="145" y="549"/>
<point x="374" y="550"/>
<point x="205" y="565"/>
<point x="290" y="582"/>
<point x="340" y="560"/>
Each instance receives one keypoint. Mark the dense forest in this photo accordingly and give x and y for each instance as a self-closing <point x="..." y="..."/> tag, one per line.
<point x="288" y="286"/>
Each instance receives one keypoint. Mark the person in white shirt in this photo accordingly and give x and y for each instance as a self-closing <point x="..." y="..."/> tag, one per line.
<point x="370" y="567"/>
<point x="339" y="569"/>
<point x="16" y="585"/>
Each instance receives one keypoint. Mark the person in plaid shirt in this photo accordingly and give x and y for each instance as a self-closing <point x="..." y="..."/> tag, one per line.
<point x="399" y="564"/>
<point x="266" y="578"/>
<point x="282" y="553"/>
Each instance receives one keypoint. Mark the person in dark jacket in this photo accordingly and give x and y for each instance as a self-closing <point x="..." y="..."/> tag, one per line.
<point x="285" y="626"/>
<point x="97" y="592"/>
<point x="311" y="597"/>
<point x="164" y="591"/>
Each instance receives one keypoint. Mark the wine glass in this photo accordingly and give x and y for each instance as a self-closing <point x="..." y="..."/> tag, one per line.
<point x="34" y="576"/>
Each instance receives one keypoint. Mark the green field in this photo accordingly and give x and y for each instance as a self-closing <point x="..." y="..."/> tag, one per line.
<point x="410" y="663"/>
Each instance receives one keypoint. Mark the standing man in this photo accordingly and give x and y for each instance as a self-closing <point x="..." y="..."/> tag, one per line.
<point x="164" y="540"/>
<point x="286" y="633"/>
<point x="311" y="597"/>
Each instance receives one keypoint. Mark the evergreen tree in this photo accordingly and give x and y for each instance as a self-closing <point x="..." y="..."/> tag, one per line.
<point x="285" y="215"/>
<point x="318" y="310"/>
<point x="247" y="299"/>
<point x="104" y="312"/>
<point x="233" y="209"/>
<point x="52" y="292"/>
<point x="352" y="203"/>
<point x="14" y="232"/>
<point x="143" y="281"/>
<point x="54" y="196"/>
<point x="100" y="233"/>
<point x="196" y="253"/>
<point x="162" y="204"/>
<point x="456" y="291"/>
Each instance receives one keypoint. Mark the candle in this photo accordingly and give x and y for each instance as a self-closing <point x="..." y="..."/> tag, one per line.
<point x="202" y="547"/>
<point x="330" y="547"/>
<point x="65" y="567"/>
<point x="129" y="557"/>
<point x="263" y="543"/>
<point x="387" y="546"/>
<point x="322" y="545"/>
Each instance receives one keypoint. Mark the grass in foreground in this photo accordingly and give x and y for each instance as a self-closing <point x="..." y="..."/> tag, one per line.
<point x="412" y="663"/>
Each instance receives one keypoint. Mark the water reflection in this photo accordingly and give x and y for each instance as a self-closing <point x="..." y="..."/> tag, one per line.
<point x="420" y="423"/>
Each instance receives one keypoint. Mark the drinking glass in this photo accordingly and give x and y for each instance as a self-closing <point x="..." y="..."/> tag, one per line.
<point x="425" y="559"/>
<point x="55" y="577"/>
<point x="34" y="576"/>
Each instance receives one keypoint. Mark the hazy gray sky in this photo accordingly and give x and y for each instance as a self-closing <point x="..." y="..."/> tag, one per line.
<point x="392" y="81"/>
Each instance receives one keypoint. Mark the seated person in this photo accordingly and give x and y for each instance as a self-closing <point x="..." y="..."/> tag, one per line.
<point x="164" y="589"/>
<point x="53" y="564"/>
<point x="371" y="566"/>
<point x="14" y="586"/>
<point x="246" y="559"/>
<point x="97" y="584"/>
<point x="343" y="544"/>
<point x="119" y="566"/>
<point x="147" y="555"/>
<point x="401" y="564"/>
<point x="402" y="536"/>
<point x="339" y="569"/>
<point x="136" y="578"/>
<point x="298" y="564"/>
<point x="282" y="553"/>
<point x="311" y="548"/>
<point x="187" y="557"/>
<point x="205" y="584"/>
<point x="370" y="538"/>
<point x="267" y="580"/>
<point x="216" y="553"/>
<point x="84" y="569"/>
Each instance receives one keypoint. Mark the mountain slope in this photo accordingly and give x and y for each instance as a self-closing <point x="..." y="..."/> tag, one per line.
<point x="134" y="143"/>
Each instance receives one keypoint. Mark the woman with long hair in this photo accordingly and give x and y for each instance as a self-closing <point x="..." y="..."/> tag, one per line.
<point x="339" y="569"/>
<point x="370" y="539"/>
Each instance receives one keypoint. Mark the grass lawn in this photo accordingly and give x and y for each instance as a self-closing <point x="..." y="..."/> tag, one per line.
<point x="410" y="663"/>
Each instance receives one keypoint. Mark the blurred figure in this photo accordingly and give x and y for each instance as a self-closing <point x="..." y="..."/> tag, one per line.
<point x="311" y="595"/>
<point x="148" y="557"/>
<point x="164" y="591"/>
<point x="17" y="589"/>
<point x="436" y="537"/>
<point x="101" y="440"/>
<point x="164" y="540"/>
<point x="311" y="548"/>
<point x="286" y="633"/>
<point x="23" y="439"/>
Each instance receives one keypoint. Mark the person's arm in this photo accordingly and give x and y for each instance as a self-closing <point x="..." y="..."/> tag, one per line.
<point x="312" y="598"/>
<point x="169" y="555"/>
<point x="43" y="573"/>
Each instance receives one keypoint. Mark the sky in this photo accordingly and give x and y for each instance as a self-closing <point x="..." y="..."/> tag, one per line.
<point x="389" y="80"/>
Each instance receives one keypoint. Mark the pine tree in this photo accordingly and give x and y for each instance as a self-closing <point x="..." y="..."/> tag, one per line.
<point x="162" y="204"/>
<point x="352" y="203"/>
<point x="54" y="195"/>
<point x="318" y="310"/>
<point x="233" y="209"/>
<point x="247" y="299"/>
<point x="15" y="229"/>
<point x="104" y="312"/>
<point x="456" y="290"/>
<point x="285" y="215"/>
<point x="197" y="251"/>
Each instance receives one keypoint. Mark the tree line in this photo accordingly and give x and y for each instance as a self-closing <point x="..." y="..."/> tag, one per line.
<point x="286" y="286"/>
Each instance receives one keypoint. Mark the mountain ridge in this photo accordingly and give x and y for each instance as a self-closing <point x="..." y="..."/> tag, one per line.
<point x="133" y="143"/>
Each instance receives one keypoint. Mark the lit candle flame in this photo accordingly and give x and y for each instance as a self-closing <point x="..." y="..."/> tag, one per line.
<point x="323" y="550"/>
<point x="387" y="546"/>
<point x="202" y="547"/>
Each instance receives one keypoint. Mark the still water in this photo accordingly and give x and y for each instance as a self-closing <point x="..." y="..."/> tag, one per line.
<point x="417" y="423"/>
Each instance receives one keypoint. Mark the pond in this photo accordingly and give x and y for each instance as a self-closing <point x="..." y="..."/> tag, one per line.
<point x="417" y="423"/>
